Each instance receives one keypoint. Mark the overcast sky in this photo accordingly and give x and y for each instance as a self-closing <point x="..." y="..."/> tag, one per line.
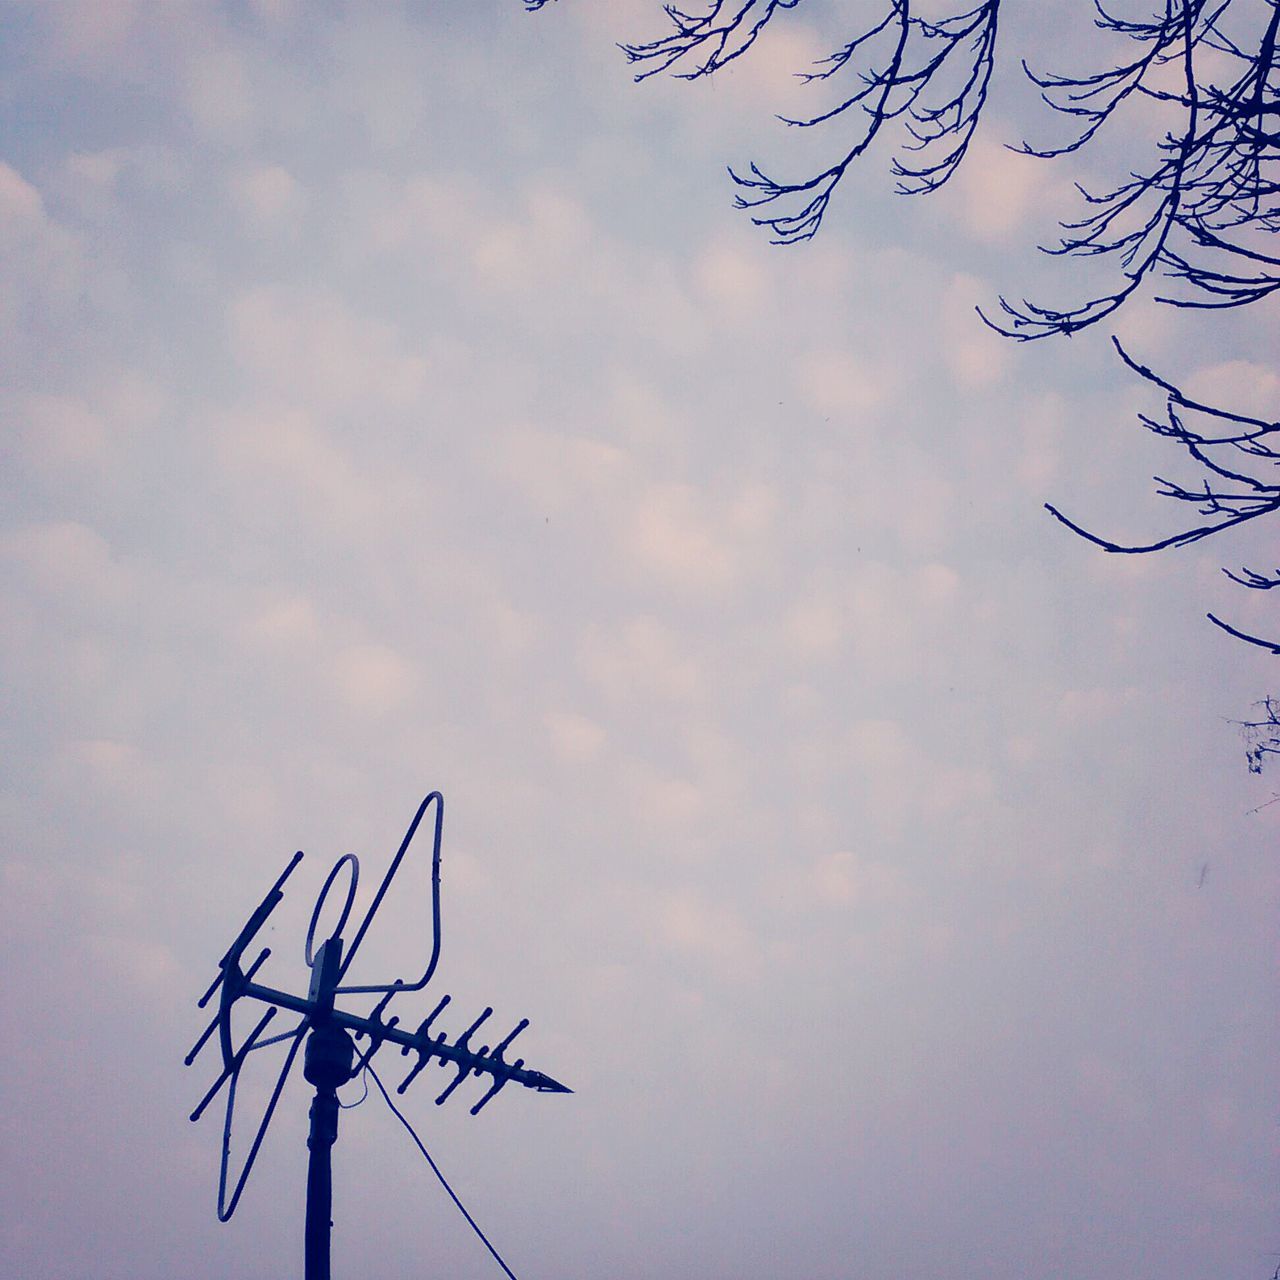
<point x="392" y="401"/>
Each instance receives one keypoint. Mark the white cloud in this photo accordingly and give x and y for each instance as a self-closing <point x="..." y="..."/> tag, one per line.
<point x="411" y="215"/>
<point x="288" y="623"/>
<point x="374" y="679"/>
<point x="40" y="260"/>
<point x="220" y="94"/>
<point x="1002" y="190"/>
<point x="688" y="539"/>
<point x="95" y="173"/>
<point x="111" y="771"/>
<point x="1146" y="328"/>
<point x="1239" y="386"/>
<point x="573" y="737"/>
<point x="768" y="80"/>
<point x="839" y="383"/>
<point x="891" y="618"/>
<point x="561" y="474"/>
<point x="955" y="793"/>
<point x="80" y="436"/>
<point x="380" y="68"/>
<point x="815" y="627"/>
<point x="540" y="239"/>
<point x="923" y="518"/>
<point x="711" y="932"/>
<point x="60" y="431"/>
<point x="734" y="277"/>
<point x="282" y="450"/>
<point x="639" y="658"/>
<point x="69" y="562"/>
<point x="546" y="243"/>
<point x="667" y="805"/>
<point x="267" y="196"/>
<point x="142" y="966"/>
<point x="895" y="773"/>
<point x="1091" y="708"/>
<point x="843" y="879"/>
<point x="281" y="12"/>
<point x="673" y="538"/>
<point x="91" y="34"/>
<point x="1040" y="458"/>
<point x="975" y="355"/>
<point x="936" y="586"/>
<point x="885" y="618"/>
<point x="310" y="346"/>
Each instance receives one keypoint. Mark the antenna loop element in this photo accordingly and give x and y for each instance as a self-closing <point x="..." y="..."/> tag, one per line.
<point x="346" y="906"/>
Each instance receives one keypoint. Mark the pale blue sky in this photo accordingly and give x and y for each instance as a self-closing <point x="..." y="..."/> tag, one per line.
<point x="394" y="402"/>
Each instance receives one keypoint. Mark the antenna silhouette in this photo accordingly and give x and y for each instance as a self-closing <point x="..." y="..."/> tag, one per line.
<point x="331" y="1056"/>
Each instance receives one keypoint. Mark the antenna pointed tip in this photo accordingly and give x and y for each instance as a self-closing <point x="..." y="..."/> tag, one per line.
<point x="545" y="1084"/>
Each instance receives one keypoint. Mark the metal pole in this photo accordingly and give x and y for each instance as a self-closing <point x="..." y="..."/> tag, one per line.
<point x="324" y="1133"/>
<point x="327" y="1064"/>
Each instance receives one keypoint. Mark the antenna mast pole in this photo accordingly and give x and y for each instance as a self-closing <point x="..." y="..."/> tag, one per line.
<point x="329" y="1055"/>
<point x="324" y="1132"/>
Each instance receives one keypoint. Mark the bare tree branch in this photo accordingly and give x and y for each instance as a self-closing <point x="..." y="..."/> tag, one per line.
<point x="1197" y="213"/>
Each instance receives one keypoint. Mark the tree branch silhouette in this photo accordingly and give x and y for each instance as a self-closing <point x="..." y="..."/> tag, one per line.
<point x="1191" y="226"/>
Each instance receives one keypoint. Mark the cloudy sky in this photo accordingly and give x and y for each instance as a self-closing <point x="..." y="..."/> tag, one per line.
<point x="393" y="401"/>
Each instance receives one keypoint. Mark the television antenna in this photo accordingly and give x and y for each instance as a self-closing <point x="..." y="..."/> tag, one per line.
<point x="339" y="1044"/>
